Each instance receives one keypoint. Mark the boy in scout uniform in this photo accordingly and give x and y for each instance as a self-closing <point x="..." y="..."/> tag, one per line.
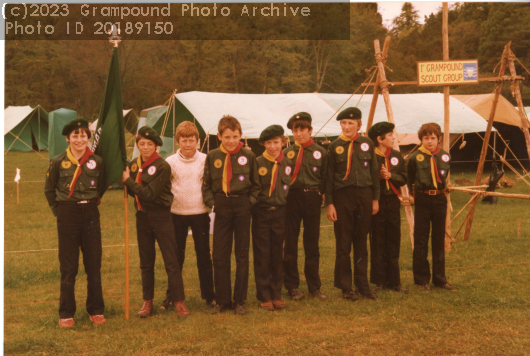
<point x="352" y="197"/>
<point x="268" y="219"/>
<point x="230" y="187"/>
<point x="308" y="161"/>
<point x="74" y="184"/>
<point x="427" y="170"/>
<point x="385" y="233"/>
<point x="148" y="181"/>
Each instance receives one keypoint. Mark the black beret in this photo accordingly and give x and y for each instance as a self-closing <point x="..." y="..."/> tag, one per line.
<point x="150" y="134"/>
<point x="271" y="132"/>
<point x="380" y="129"/>
<point x="78" y="123"/>
<point x="350" y="113"/>
<point x="300" y="116"/>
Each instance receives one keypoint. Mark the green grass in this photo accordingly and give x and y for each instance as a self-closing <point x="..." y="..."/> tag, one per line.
<point x="489" y="314"/>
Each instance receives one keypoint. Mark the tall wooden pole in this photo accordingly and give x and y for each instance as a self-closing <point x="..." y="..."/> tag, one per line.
<point x="447" y="117"/>
<point x="390" y="115"/>
<point x="377" y="91"/>
<point x="498" y="87"/>
<point x="517" y="92"/>
<point x="126" y="210"/>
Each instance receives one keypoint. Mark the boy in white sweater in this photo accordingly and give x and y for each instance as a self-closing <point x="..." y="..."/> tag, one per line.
<point x="188" y="209"/>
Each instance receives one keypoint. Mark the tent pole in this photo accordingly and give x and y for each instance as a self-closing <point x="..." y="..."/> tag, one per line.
<point x="377" y="90"/>
<point x="126" y="223"/>
<point x="174" y="131"/>
<point x="447" y="118"/>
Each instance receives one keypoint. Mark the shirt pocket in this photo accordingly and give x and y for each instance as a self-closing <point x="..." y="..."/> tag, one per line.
<point x="90" y="179"/>
<point x="443" y="170"/>
<point x="315" y="165"/>
<point x="241" y="173"/>
<point x="65" y="178"/>
<point x="365" y="160"/>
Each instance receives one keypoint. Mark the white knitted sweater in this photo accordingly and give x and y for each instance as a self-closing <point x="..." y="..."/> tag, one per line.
<point x="186" y="183"/>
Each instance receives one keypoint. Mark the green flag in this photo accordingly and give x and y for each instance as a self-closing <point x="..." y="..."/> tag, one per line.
<point x="109" y="138"/>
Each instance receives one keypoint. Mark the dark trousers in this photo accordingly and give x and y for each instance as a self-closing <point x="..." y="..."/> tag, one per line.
<point x="354" y="214"/>
<point x="430" y="209"/>
<point x="232" y="223"/>
<point x="268" y="234"/>
<point x="156" y="225"/>
<point x="200" y="228"/>
<point x="304" y="206"/>
<point x="78" y="228"/>
<point x="385" y="241"/>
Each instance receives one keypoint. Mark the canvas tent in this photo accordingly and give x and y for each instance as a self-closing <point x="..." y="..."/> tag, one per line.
<point x="129" y="117"/>
<point x="59" y="118"/>
<point x="25" y="129"/>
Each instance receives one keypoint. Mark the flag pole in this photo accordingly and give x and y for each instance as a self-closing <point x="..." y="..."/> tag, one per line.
<point x="126" y="210"/>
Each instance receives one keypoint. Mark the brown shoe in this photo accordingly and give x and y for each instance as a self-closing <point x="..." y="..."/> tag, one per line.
<point x="98" y="319"/>
<point x="146" y="310"/>
<point x="182" y="311"/>
<point x="266" y="305"/>
<point x="66" y="323"/>
<point x="278" y="304"/>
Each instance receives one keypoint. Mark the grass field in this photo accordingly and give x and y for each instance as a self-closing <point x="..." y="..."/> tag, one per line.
<point x="488" y="315"/>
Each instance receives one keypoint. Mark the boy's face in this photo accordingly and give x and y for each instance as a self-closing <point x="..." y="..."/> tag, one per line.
<point x="302" y="135"/>
<point x="388" y="142"/>
<point x="188" y="146"/>
<point x="350" y="127"/>
<point x="430" y="141"/>
<point x="230" y="139"/>
<point x="78" y="141"/>
<point x="146" y="148"/>
<point x="273" y="147"/>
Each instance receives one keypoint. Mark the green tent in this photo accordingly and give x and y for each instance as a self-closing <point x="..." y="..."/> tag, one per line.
<point x="25" y="129"/>
<point x="57" y="142"/>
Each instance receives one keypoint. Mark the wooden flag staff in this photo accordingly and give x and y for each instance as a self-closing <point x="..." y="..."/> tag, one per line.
<point x="17" y="179"/>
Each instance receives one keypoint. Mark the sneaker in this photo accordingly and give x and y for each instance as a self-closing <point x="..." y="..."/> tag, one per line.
<point x="296" y="295"/>
<point x="240" y="309"/>
<point x="98" y="319"/>
<point x="378" y="288"/>
<point x="447" y="286"/>
<point x="166" y="304"/>
<point x="319" y="295"/>
<point x="217" y="308"/>
<point x="182" y="311"/>
<point x="351" y="295"/>
<point x="66" y="323"/>
<point x="400" y="289"/>
<point x="424" y="287"/>
<point x="146" y="310"/>
<point x="267" y="305"/>
<point x="368" y="294"/>
<point x="278" y="303"/>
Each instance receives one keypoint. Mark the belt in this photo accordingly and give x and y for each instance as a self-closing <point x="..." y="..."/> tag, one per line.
<point x="432" y="192"/>
<point x="306" y="190"/>
<point x="228" y="195"/>
<point x="81" y="201"/>
<point x="269" y="207"/>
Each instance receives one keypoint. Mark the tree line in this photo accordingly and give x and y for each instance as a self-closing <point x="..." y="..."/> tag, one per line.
<point x="72" y="74"/>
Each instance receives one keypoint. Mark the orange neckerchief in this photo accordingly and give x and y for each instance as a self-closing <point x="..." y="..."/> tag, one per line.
<point x="139" y="175"/>
<point x="77" y="172"/>
<point x="387" y="165"/>
<point x="227" y="171"/>
<point x="274" y="168"/>
<point x="434" y="168"/>
<point x="300" y="157"/>
<point x="350" y="151"/>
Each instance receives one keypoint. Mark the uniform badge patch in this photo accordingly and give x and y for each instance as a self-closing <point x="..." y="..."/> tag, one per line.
<point x="262" y="171"/>
<point x="317" y="155"/>
<point x="314" y="169"/>
<point x="365" y="147"/>
<point x="445" y="158"/>
<point x="288" y="170"/>
<point x="134" y="167"/>
<point x="394" y="161"/>
<point x="366" y="163"/>
<point x="290" y="154"/>
<point x="285" y="186"/>
<point x="442" y="172"/>
<point x="242" y="160"/>
<point x="218" y="163"/>
<point x="66" y="164"/>
<point x="241" y="178"/>
<point x="91" y="164"/>
<point x="92" y="182"/>
<point x="339" y="150"/>
<point x="420" y="158"/>
<point x="151" y="170"/>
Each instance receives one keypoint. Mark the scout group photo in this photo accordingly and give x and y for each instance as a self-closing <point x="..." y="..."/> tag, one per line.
<point x="358" y="186"/>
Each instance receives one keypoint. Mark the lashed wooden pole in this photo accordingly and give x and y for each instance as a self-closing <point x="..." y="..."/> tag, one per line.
<point x="498" y="87"/>
<point x="447" y="118"/>
<point x="384" y="90"/>
<point x="126" y="210"/>
<point x="517" y="93"/>
<point x="377" y="91"/>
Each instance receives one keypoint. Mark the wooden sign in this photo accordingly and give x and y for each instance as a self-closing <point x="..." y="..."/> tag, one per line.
<point x="447" y="72"/>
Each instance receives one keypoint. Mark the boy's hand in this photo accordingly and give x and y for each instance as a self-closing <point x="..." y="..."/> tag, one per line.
<point x="125" y="175"/>
<point x="375" y="206"/>
<point x="332" y="213"/>
<point x="383" y="173"/>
